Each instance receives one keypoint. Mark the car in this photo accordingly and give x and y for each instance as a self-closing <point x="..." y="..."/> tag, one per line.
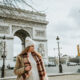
<point x="78" y="63"/>
<point x="11" y="65"/>
<point x="50" y="64"/>
<point x="1" y="64"/>
<point x="71" y="64"/>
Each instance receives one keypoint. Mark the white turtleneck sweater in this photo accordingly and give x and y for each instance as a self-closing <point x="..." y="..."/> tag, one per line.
<point x="34" y="71"/>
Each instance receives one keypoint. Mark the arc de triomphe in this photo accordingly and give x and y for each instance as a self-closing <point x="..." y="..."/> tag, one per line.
<point x="22" y="23"/>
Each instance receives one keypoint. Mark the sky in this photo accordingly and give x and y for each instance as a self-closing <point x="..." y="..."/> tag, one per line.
<point x="64" y="21"/>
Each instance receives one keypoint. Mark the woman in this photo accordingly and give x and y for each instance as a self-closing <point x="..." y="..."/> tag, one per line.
<point x="29" y="64"/>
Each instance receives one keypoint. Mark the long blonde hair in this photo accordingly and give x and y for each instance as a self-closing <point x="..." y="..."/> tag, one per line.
<point x="26" y="50"/>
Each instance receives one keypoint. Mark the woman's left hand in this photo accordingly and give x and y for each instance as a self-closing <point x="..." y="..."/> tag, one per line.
<point x="34" y="51"/>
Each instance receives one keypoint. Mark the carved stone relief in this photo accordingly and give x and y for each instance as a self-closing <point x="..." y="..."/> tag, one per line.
<point x="40" y="33"/>
<point x="4" y="29"/>
<point x="41" y="49"/>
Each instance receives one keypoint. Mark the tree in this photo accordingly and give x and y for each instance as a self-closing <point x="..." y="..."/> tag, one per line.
<point x="15" y="3"/>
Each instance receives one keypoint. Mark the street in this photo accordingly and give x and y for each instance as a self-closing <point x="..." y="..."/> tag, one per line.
<point x="69" y="73"/>
<point x="55" y="70"/>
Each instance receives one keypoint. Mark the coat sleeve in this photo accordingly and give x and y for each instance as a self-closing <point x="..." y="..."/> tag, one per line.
<point x="46" y="76"/>
<point x="43" y="64"/>
<point x="18" y="70"/>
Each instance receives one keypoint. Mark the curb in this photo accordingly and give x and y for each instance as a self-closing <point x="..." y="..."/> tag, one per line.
<point x="62" y="74"/>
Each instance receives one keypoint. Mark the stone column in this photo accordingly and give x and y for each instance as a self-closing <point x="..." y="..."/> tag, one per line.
<point x="23" y="45"/>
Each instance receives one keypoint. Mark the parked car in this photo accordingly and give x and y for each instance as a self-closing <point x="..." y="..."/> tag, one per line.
<point x="71" y="64"/>
<point x="78" y="63"/>
<point x="11" y="65"/>
<point x="50" y="64"/>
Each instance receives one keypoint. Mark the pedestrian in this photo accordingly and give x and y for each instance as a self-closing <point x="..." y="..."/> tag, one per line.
<point x="29" y="63"/>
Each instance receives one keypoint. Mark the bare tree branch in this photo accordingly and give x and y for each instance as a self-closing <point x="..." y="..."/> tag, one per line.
<point x="16" y="3"/>
<point x="13" y="3"/>
<point x="28" y="4"/>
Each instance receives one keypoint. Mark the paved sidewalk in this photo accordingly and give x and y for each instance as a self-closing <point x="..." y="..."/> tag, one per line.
<point x="65" y="77"/>
<point x="53" y="77"/>
<point x="59" y="76"/>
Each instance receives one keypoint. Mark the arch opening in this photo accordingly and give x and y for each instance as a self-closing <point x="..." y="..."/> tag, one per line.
<point x="19" y="40"/>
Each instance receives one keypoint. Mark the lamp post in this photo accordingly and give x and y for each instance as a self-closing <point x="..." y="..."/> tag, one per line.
<point x="60" y="66"/>
<point x="3" y="56"/>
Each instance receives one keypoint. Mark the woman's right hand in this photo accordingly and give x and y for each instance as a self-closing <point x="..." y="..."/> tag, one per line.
<point x="28" y="68"/>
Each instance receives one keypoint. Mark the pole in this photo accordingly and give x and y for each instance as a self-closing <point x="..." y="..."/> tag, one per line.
<point x="60" y="66"/>
<point x="3" y="67"/>
<point x="58" y="52"/>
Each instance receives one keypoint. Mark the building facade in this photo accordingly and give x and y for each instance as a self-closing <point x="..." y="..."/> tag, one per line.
<point x="22" y="23"/>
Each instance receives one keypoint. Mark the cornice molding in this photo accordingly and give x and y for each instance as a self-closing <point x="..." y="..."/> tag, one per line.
<point x="22" y="14"/>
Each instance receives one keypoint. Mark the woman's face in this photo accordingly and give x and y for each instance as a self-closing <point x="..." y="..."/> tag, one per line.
<point x="31" y="48"/>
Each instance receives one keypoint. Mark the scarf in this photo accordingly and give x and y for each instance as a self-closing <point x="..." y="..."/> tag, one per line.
<point x="40" y="65"/>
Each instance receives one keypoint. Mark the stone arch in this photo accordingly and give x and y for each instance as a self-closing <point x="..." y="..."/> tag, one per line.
<point x="22" y="34"/>
<point x="16" y="28"/>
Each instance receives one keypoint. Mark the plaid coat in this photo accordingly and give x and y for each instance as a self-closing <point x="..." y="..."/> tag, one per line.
<point x="22" y="61"/>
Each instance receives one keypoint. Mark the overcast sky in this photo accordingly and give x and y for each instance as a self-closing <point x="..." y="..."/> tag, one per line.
<point x="64" y="21"/>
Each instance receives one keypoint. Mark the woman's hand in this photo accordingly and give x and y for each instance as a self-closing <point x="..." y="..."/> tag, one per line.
<point x="34" y="51"/>
<point x="37" y="53"/>
<point x="28" y="68"/>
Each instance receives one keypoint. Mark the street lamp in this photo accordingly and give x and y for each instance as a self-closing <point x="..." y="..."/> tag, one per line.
<point x="60" y="66"/>
<point x="3" y="56"/>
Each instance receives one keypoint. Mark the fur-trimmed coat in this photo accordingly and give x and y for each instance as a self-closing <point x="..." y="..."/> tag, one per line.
<point x="19" y="69"/>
